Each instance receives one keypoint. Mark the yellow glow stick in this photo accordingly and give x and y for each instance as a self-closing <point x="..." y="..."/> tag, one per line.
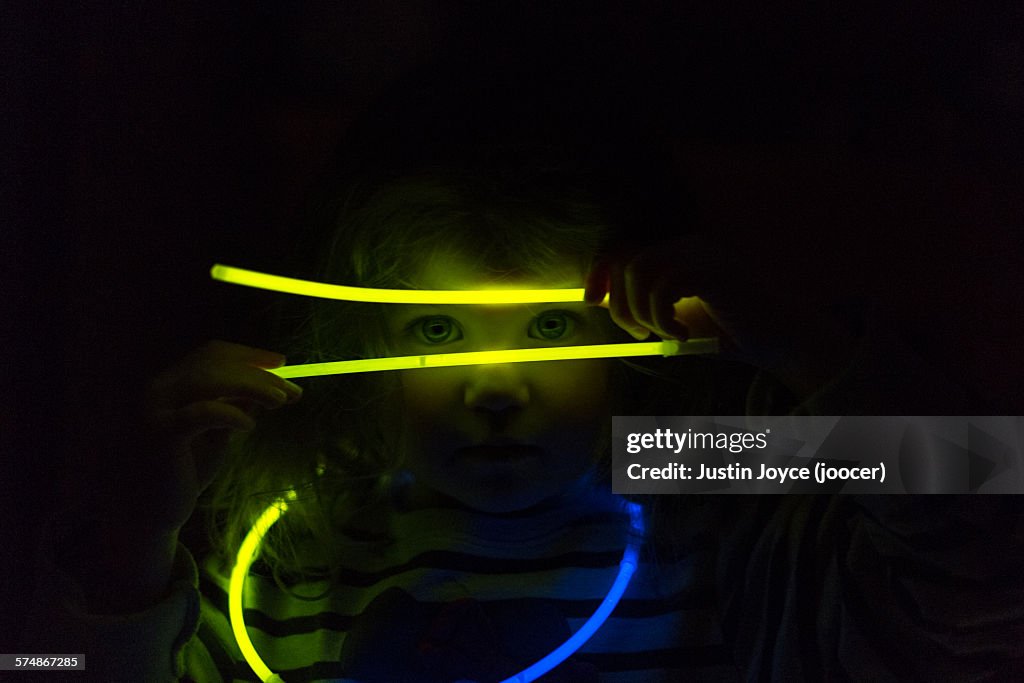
<point x="447" y="360"/>
<point x="289" y="285"/>
<point x="244" y="559"/>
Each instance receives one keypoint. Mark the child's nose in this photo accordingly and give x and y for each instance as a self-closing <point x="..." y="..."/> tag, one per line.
<point x="496" y="388"/>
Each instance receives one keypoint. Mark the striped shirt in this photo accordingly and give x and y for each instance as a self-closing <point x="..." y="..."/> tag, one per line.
<point x="773" y="588"/>
<point x="751" y="588"/>
<point x="524" y="583"/>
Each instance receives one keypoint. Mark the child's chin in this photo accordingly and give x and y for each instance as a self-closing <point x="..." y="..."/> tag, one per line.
<point x="504" y="502"/>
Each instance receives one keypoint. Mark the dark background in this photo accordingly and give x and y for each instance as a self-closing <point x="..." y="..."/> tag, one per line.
<point x="145" y="141"/>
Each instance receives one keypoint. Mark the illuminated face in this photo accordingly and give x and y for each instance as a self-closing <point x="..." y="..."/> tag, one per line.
<point x="505" y="437"/>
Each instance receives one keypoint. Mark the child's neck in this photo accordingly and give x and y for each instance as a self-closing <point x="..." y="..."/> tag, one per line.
<point x="407" y="495"/>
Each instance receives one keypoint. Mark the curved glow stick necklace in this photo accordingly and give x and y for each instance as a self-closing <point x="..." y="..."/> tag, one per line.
<point x="250" y="546"/>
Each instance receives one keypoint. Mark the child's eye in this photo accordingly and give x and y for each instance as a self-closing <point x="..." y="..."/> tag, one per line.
<point x="553" y="325"/>
<point x="438" y="329"/>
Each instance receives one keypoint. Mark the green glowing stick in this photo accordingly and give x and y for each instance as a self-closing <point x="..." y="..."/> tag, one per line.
<point x="288" y="285"/>
<point x="447" y="360"/>
<point x="245" y="557"/>
<point x="251" y="278"/>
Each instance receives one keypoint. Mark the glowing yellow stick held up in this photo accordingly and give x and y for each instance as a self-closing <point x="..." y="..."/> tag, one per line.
<point x="251" y="278"/>
<point x="288" y="285"/>
<point x="447" y="360"/>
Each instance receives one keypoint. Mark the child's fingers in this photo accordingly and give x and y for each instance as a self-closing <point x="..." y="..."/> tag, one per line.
<point x="197" y="418"/>
<point x="225" y="351"/>
<point x="245" y="382"/>
<point x="663" y="314"/>
<point x="618" y="303"/>
<point x="596" y="285"/>
<point x="638" y="276"/>
<point x="208" y="379"/>
<point x="692" y="313"/>
<point x="653" y="284"/>
<point x="645" y="290"/>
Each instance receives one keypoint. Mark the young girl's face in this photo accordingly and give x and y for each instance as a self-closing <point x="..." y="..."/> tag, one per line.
<point x="505" y="437"/>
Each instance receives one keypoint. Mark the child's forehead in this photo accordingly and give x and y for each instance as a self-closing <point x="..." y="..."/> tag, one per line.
<point x="446" y="271"/>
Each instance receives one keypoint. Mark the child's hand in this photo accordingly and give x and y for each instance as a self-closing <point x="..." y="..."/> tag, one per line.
<point x="193" y="408"/>
<point x="796" y="231"/>
<point x="695" y="287"/>
<point x="658" y="290"/>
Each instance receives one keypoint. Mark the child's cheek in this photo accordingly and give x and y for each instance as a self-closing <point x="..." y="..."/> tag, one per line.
<point x="432" y="391"/>
<point x="574" y="388"/>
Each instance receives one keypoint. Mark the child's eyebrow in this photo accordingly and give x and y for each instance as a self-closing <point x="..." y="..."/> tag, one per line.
<point x="403" y="314"/>
<point x="278" y="283"/>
